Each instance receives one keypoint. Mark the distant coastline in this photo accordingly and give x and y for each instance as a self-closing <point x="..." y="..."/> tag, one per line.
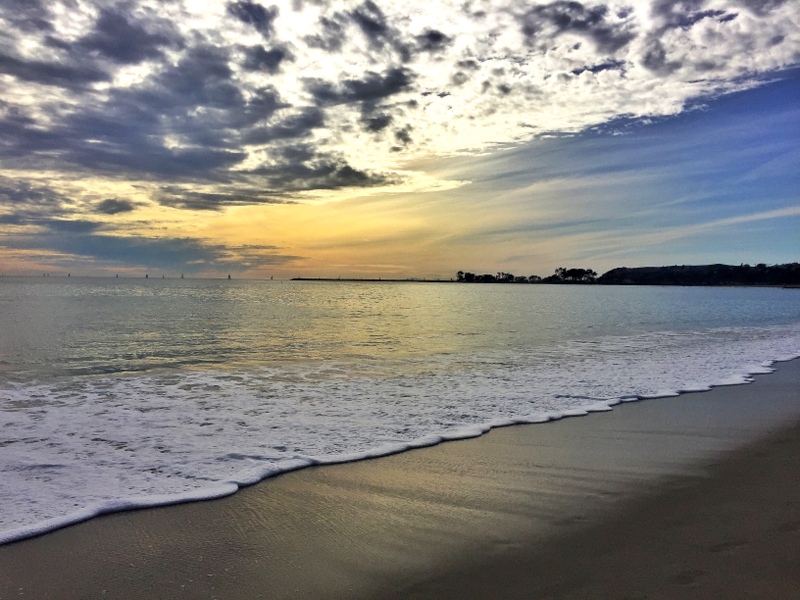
<point x="374" y="279"/>
<point x="784" y="275"/>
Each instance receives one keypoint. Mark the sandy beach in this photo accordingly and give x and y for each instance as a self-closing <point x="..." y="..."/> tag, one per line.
<point x="694" y="496"/>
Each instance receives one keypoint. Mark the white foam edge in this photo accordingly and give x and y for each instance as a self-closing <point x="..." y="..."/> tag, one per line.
<point x="113" y="506"/>
<point x="252" y="475"/>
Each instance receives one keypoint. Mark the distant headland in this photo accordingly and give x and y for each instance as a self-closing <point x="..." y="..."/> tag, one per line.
<point x="785" y="275"/>
<point x="706" y="275"/>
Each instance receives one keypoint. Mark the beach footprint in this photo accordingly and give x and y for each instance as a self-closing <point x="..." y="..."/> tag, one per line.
<point x="688" y="577"/>
<point x="729" y="546"/>
<point x="789" y="527"/>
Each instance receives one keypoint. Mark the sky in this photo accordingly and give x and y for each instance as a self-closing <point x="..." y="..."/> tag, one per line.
<point x="396" y="139"/>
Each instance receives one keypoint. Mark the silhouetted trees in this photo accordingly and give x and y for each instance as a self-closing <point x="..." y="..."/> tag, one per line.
<point x="761" y="274"/>
<point x="562" y="275"/>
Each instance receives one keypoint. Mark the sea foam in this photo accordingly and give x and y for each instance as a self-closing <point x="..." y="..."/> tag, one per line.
<point x="77" y="448"/>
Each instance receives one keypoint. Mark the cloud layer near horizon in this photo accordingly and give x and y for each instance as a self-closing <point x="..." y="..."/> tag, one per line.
<point x="112" y="108"/>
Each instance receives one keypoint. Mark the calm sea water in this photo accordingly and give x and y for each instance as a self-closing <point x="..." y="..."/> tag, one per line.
<point x="117" y="393"/>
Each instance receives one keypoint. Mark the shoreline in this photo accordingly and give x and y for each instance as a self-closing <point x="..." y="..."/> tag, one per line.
<point x="223" y="489"/>
<point x="404" y="522"/>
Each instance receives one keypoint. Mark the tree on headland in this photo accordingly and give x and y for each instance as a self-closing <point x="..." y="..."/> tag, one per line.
<point x="787" y="275"/>
<point x="564" y="275"/>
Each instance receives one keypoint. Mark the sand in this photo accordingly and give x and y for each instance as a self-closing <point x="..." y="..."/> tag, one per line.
<point x="688" y="497"/>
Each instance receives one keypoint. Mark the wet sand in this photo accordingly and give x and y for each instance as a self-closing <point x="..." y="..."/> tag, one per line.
<point x="695" y="496"/>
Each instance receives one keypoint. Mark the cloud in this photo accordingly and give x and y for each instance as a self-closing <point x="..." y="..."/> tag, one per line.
<point x="433" y="40"/>
<point x="181" y="254"/>
<point x="301" y="169"/>
<point x="271" y="104"/>
<point x="28" y="15"/>
<point x="71" y="76"/>
<point x="118" y="39"/>
<point x="184" y="197"/>
<point x="761" y="7"/>
<point x="293" y="126"/>
<point x="371" y="88"/>
<point x="268" y="61"/>
<point x="254" y="14"/>
<point x="113" y="206"/>
<point x="377" y="123"/>
<point x="16" y="194"/>
<point x="331" y="36"/>
<point x="372" y="23"/>
<point x="71" y="226"/>
<point x="541" y="24"/>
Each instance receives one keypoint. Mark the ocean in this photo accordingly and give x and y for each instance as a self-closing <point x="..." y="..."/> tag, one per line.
<point x="125" y="393"/>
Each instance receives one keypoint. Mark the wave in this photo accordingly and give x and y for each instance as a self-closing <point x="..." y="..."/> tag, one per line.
<point x="77" y="448"/>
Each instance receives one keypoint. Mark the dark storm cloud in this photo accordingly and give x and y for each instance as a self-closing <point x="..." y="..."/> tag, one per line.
<point x="258" y="58"/>
<point x="113" y="206"/>
<point x="123" y="41"/>
<point x="541" y="23"/>
<point x="252" y="13"/>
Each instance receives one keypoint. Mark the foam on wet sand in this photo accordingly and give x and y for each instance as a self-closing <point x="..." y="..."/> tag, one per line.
<point x="691" y="496"/>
